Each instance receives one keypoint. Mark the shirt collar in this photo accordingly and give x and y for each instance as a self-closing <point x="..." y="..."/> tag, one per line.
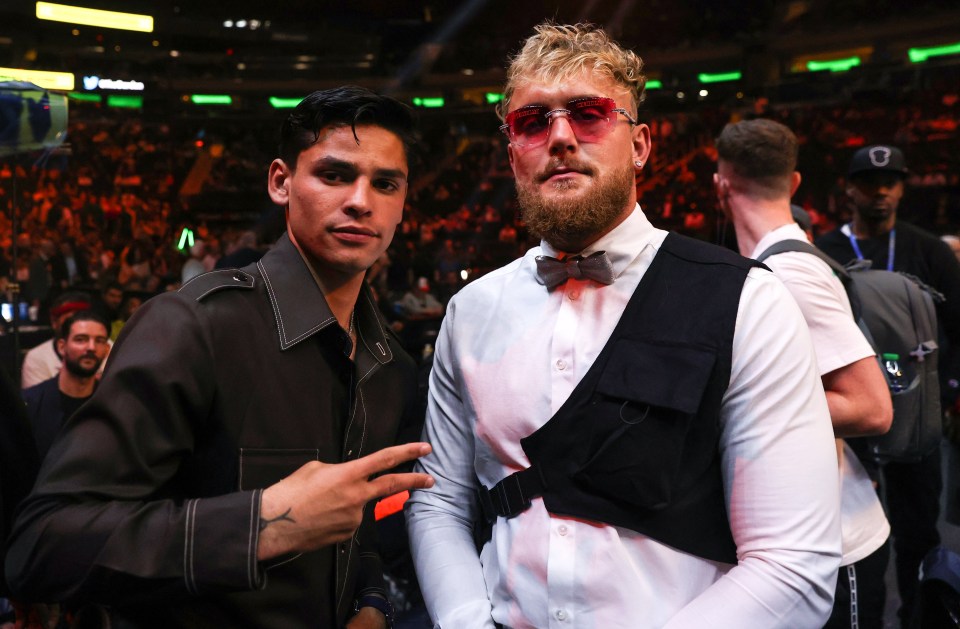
<point x="790" y="231"/>
<point x="301" y="309"/>
<point x="623" y="243"/>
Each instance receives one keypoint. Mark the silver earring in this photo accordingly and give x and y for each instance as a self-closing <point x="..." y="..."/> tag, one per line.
<point x="639" y="163"/>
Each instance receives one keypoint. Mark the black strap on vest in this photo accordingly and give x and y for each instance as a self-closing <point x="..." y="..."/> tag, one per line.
<point x="512" y="495"/>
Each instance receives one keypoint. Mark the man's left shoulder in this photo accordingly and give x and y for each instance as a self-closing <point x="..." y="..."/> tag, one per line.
<point x="207" y="284"/>
<point x="700" y="252"/>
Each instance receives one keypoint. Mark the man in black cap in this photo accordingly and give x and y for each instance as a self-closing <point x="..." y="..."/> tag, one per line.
<point x="875" y="185"/>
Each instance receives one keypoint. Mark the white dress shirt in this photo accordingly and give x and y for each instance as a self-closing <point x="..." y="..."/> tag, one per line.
<point x="509" y="354"/>
<point x="837" y="342"/>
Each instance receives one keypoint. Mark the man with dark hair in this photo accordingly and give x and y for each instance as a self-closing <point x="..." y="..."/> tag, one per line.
<point x="637" y="414"/>
<point x="222" y="473"/>
<point x="875" y="187"/>
<point x="109" y="300"/>
<point x="43" y="362"/>
<point x="82" y="342"/>
<point x="756" y="176"/>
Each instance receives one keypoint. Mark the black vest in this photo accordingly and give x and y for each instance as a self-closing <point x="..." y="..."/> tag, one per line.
<point x="636" y="443"/>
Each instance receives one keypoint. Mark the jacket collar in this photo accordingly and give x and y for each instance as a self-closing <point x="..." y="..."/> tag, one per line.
<point x="301" y="309"/>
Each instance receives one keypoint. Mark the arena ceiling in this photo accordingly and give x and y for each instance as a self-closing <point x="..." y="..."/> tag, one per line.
<point x="419" y="46"/>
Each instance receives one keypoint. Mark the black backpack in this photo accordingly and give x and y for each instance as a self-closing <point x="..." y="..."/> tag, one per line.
<point x="896" y="313"/>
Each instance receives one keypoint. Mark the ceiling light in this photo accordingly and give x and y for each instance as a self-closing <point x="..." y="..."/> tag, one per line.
<point x="94" y="17"/>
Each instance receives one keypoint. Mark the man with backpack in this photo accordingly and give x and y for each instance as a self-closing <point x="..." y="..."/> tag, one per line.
<point x="875" y="186"/>
<point x="755" y="179"/>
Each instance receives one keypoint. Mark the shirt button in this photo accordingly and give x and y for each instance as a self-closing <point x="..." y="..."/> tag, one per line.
<point x="562" y="529"/>
<point x="573" y="295"/>
<point x="561" y="364"/>
<point x="561" y="614"/>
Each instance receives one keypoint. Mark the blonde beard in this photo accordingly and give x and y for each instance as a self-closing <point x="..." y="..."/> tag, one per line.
<point x="579" y="218"/>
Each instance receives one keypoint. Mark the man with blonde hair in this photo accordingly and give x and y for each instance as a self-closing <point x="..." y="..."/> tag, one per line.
<point x="637" y="415"/>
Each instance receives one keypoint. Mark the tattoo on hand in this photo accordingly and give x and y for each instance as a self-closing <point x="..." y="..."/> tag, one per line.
<point x="285" y="516"/>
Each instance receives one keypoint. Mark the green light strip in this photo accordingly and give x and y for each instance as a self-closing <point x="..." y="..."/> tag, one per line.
<point x="211" y="99"/>
<point x="654" y="85"/>
<point x="90" y="98"/>
<point x="186" y="239"/>
<point x="834" y="65"/>
<point x="130" y="102"/>
<point x="720" y="77"/>
<point x="919" y="55"/>
<point x="428" y="102"/>
<point x="493" y="97"/>
<point x="279" y="102"/>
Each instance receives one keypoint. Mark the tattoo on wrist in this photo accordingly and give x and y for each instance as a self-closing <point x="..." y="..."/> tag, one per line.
<point x="285" y="516"/>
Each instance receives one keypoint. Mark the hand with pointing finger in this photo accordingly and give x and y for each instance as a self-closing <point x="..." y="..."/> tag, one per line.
<point x="322" y="503"/>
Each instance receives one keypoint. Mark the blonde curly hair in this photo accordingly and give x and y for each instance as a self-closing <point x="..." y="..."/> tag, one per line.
<point x="556" y="52"/>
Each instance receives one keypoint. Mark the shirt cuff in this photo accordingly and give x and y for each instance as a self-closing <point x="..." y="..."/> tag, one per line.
<point x="220" y="543"/>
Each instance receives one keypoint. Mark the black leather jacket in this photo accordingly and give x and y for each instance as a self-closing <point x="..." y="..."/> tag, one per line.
<point x="150" y="498"/>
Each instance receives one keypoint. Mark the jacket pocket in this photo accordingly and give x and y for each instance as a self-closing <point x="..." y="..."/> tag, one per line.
<point x="643" y="406"/>
<point x="262" y="467"/>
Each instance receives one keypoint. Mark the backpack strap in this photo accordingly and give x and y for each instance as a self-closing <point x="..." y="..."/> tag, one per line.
<point x="804" y="247"/>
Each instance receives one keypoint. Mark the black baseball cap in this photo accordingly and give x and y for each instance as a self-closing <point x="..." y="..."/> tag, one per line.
<point x="878" y="157"/>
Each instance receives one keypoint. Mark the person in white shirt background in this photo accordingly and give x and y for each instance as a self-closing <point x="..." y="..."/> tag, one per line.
<point x="516" y="344"/>
<point x="756" y="176"/>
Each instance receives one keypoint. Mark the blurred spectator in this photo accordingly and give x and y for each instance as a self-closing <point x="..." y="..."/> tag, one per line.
<point x="420" y="303"/>
<point x="39" y="280"/>
<point x="69" y="266"/>
<point x="131" y="303"/>
<point x="243" y="251"/>
<point x="108" y="303"/>
<point x="194" y="266"/>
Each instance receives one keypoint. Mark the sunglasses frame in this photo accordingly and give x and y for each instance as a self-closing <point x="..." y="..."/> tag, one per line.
<point x="510" y="118"/>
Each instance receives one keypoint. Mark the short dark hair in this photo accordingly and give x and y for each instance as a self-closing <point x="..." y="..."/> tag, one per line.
<point x="83" y="315"/>
<point x="761" y="151"/>
<point x="347" y="106"/>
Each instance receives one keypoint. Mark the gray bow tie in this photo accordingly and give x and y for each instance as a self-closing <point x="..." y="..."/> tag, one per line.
<point x="554" y="272"/>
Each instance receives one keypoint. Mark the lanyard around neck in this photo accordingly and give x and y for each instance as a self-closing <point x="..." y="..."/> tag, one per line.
<point x="892" y="239"/>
